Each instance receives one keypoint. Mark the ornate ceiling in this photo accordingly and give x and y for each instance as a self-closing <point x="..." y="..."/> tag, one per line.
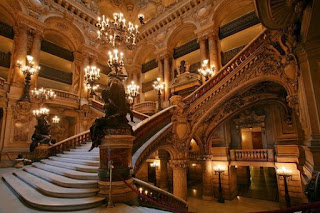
<point x="131" y="8"/>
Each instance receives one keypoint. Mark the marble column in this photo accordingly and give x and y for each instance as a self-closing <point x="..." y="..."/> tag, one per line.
<point x="35" y="52"/>
<point x="167" y="77"/>
<point x="82" y="86"/>
<point x="77" y="70"/>
<point x="20" y="50"/>
<point x="207" y="180"/>
<point x="141" y="95"/>
<point x="213" y="51"/>
<point x="203" y="48"/>
<point x="179" y="169"/>
<point x="163" y="182"/>
<point x="135" y="74"/>
<point x="160" y="67"/>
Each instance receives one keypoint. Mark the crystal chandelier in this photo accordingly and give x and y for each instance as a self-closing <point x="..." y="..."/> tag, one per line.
<point x="42" y="94"/>
<point x="41" y="112"/>
<point x="116" y="31"/>
<point x="115" y="61"/>
<point x="91" y="75"/>
<point x="55" y="120"/>
<point x="132" y="92"/>
<point x="205" y="70"/>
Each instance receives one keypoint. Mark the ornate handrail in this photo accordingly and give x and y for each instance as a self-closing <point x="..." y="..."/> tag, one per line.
<point x="230" y="67"/>
<point x="163" y="197"/>
<point x="2" y="82"/>
<point x="69" y="143"/>
<point x="66" y="95"/>
<point x="148" y="106"/>
<point x="252" y="155"/>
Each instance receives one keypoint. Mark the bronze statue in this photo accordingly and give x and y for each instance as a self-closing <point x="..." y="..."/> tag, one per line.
<point x="41" y="133"/>
<point x="116" y="108"/>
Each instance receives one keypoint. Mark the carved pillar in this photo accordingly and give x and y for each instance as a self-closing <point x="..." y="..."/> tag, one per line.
<point x="179" y="168"/>
<point x="203" y="48"/>
<point x="141" y="95"/>
<point x="207" y="180"/>
<point x="135" y="78"/>
<point x="163" y="182"/>
<point x="160" y="67"/>
<point x="77" y="68"/>
<point x="213" y="51"/>
<point x="20" y="50"/>
<point x="82" y="86"/>
<point x="35" y="52"/>
<point x="167" y="76"/>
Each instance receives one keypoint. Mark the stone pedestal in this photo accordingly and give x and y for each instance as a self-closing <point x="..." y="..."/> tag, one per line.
<point x="41" y="152"/>
<point x="117" y="148"/>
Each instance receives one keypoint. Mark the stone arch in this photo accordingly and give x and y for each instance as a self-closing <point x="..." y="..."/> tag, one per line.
<point x="185" y="31"/>
<point x="241" y="87"/>
<point x="59" y="26"/>
<point x="144" y="52"/>
<point x="8" y="11"/>
<point x="222" y="10"/>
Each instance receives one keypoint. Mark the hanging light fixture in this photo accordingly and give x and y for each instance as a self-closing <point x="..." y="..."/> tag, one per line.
<point x="205" y="70"/>
<point x="41" y="112"/>
<point x="91" y="75"/>
<point x="41" y="95"/>
<point x="116" y="31"/>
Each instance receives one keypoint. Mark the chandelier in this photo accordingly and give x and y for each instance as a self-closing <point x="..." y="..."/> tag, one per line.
<point x="158" y="86"/>
<point x="43" y="94"/>
<point x="205" y="70"/>
<point x="55" y="120"/>
<point x="115" y="61"/>
<point x="41" y="112"/>
<point x="132" y="92"/>
<point x="91" y="75"/>
<point x="116" y="31"/>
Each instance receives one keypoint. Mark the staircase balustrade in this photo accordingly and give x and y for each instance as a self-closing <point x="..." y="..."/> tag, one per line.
<point x="238" y="61"/>
<point x="69" y="143"/>
<point x="165" y="198"/>
<point x="147" y="107"/>
<point x="252" y="155"/>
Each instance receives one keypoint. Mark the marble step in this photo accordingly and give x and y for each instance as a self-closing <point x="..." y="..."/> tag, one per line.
<point x="61" y="180"/>
<point x="82" y="157"/>
<point x="53" y="190"/>
<point x="67" y="172"/>
<point x="85" y="149"/>
<point x="149" y="210"/>
<point x="39" y="201"/>
<point x="77" y="167"/>
<point x="76" y="161"/>
<point x="81" y="153"/>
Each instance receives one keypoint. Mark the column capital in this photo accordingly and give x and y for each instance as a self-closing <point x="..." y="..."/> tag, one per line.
<point x="179" y="164"/>
<point x="79" y="56"/>
<point x="164" y="54"/>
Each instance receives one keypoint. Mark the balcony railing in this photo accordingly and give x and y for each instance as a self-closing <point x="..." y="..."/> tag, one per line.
<point x="148" y="107"/>
<point x="66" y="95"/>
<point x="252" y="155"/>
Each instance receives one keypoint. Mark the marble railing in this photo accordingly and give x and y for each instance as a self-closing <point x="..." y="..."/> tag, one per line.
<point x="214" y="85"/>
<point x="2" y="82"/>
<point x="69" y="143"/>
<point x="155" y="197"/>
<point x="147" y="107"/>
<point x="252" y="155"/>
<point x="66" y="96"/>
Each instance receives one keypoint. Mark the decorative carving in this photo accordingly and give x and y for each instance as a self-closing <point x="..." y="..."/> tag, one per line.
<point x="178" y="164"/>
<point x="249" y="119"/>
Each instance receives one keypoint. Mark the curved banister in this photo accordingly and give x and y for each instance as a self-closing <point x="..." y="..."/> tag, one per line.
<point x="228" y="68"/>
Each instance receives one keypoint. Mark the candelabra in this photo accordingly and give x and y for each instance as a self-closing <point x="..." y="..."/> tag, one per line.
<point x="41" y="95"/>
<point x="218" y="170"/>
<point x="132" y="91"/>
<point x="286" y="175"/>
<point x="115" y="62"/>
<point x="141" y="17"/>
<point x="55" y="120"/>
<point x="91" y="75"/>
<point x="116" y="31"/>
<point x="205" y="70"/>
<point x="41" y="112"/>
<point x="28" y="70"/>
<point x="158" y="86"/>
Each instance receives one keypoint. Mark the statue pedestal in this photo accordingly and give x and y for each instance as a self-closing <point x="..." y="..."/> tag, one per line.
<point x="117" y="148"/>
<point x="41" y="152"/>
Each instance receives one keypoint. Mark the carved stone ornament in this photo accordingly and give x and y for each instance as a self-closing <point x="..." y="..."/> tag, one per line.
<point x="249" y="119"/>
<point x="22" y="117"/>
<point x="178" y="164"/>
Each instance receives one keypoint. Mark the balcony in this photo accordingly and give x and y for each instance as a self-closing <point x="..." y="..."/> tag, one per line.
<point x="261" y="155"/>
<point x="148" y="107"/>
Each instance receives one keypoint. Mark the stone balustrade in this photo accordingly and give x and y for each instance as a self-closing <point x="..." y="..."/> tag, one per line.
<point x="148" y="107"/>
<point x="162" y="197"/>
<point x="252" y="155"/>
<point x="69" y="143"/>
<point x="66" y="95"/>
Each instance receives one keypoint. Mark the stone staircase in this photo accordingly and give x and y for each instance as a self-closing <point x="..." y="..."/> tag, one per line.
<point x="65" y="182"/>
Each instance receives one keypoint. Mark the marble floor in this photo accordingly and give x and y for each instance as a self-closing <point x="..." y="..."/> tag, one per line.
<point x="10" y="203"/>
